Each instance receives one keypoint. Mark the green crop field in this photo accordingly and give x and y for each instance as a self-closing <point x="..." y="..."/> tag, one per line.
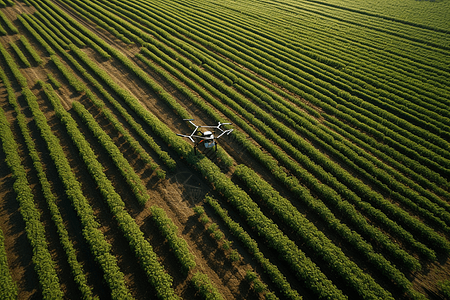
<point x="333" y="184"/>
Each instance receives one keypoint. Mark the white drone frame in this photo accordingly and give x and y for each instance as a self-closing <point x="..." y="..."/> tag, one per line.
<point x="207" y="135"/>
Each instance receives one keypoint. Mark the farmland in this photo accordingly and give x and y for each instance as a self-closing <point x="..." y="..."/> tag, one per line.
<point x="334" y="183"/>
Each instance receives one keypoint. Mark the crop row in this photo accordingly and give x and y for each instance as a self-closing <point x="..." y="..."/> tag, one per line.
<point x="77" y="269"/>
<point x="141" y="247"/>
<point x="205" y="287"/>
<point x="42" y="260"/>
<point x="8" y="23"/>
<point x="169" y="231"/>
<point x="37" y="58"/>
<point x="7" y="286"/>
<point x="20" y="54"/>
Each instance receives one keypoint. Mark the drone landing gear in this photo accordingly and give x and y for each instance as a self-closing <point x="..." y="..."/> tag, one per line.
<point x="208" y="144"/>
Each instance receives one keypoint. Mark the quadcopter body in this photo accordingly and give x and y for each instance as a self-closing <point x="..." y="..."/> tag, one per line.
<point x="206" y="138"/>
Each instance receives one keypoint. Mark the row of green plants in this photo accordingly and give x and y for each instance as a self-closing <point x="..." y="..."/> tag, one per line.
<point x="317" y="242"/>
<point x="127" y="171"/>
<point x="99" y="247"/>
<point x="412" y="263"/>
<point x="20" y="54"/>
<point x="277" y="278"/>
<point x="30" y="49"/>
<point x="2" y="30"/>
<point x="217" y="234"/>
<point x="8" y="23"/>
<point x="35" y="231"/>
<point x="205" y="288"/>
<point x="258" y="286"/>
<point x="179" y="245"/>
<point x="8" y="287"/>
<point x="160" y="280"/>
<point x="76" y="267"/>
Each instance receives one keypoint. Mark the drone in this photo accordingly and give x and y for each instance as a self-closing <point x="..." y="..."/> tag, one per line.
<point x="206" y="138"/>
